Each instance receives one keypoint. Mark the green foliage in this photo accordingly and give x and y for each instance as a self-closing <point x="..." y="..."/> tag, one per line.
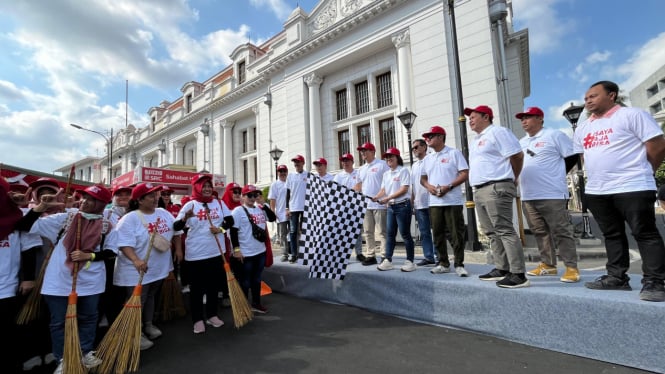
<point x="660" y="175"/>
<point x="265" y="191"/>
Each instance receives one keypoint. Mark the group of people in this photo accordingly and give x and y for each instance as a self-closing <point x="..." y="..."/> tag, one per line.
<point x="622" y="147"/>
<point x="102" y="244"/>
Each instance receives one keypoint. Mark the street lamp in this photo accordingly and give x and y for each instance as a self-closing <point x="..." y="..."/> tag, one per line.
<point x="407" y="118"/>
<point x="572" y="114"/>
<point x="267" y="99"/>
<point x="108" y="144"/>
<point x="276" y="153"/>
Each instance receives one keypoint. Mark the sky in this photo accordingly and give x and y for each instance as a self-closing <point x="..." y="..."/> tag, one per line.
<point x="67" y="61"/>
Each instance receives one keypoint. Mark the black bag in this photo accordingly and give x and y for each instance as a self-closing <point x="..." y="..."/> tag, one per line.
<point x="257" y="232"/>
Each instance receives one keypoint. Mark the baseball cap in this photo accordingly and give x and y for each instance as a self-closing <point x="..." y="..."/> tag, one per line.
<point x="391" y="151"/>
<point x="117" y="189"/>
<point x="484" y="109"/>
<point x="249" y="188"/>
<point x="197" y="178"/>
<point x="98" y="192"/>
<point x="532" y="111"/>
<point x="368" y="146"/>
<point x="45" y="181"/>
<point x="143" y="189"/>
<point x="435" y="130"/>
<point x="282" y="168"/>
<point x="298" y="158"/>
<point x="346" y="156"/>
<point x="321" y="161"/>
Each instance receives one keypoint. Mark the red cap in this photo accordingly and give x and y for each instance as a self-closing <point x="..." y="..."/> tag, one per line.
<point x="117" y="189"/>
<point x="143" y="189"/>
<point x="346" y="156"/>
<point x="321" y="161"/>
<point x="282" y="168"/>
<point x="233" y="185"/>
<point x="298" y="158"/>
<point x="197" y="178"/>
<point x="249" y="188"/>
<point x="434" y="130"/>
<point x="368" y="146"/>
<point x="98" y="192"/>
<point x="392" y="151"/>
<point x="484" y="109"/>
<point x="45" y="181"/>
<point x="532" y="111"/>
<point x="184" y="200"/>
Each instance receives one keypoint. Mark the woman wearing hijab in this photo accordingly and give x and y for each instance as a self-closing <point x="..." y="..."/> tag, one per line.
<point x="135" y="228"/>
<point x="84" y="243"/>
<point x="231" y="196"/>
<point x="205" y="217"/>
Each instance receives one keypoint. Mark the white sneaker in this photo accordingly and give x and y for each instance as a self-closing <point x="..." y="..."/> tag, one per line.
<point x="49" y="359"/>
<point x="90" y="360"/>
<point x="205" y="299"/>
<point x="58" y="370"/>
<point x="32" y="363"/>
<point x="145" y="343"/>
<point x="104" y="322"/>
<point x="440" y="269"/>
<point x="408" y="266"/>
<point x="461" y="271"/>
<point x="151" y="331"/>
<point x="185" y="289"/>
<point x="385" y="265"/>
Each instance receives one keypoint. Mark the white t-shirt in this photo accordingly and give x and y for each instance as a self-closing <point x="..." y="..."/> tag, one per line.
<point x="543" y="174"/>
<point x="10" y="260"/>
<point x="393" y="180"/>
<point x="371" y="176"/>
<point x="248" y="245"/>
<point x="297" y="183"/>
<point x="278" y="193"/>
<point x="442" y="168"/>
<point x="614" y="153"/>
<point x="200" y="242"/>
<point x="326" y="178"/>
<point x="58" y="276"/>
<point x="420" y="194"/>
<point x="132" y="233"/>
<point x="489" y="155"/>
<point x="347" y="179"/>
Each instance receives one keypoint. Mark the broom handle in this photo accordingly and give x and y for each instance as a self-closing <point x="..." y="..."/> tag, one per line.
<point x="78" y="248"/>
<point x="219" y="245"/>
<point x="147" y="255"/>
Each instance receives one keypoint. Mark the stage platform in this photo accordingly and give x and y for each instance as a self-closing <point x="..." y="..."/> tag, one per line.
<point x="612" y="326"/>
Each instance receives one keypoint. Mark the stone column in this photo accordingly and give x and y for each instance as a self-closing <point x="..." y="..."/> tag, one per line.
<point x="227" y="127"/>
<point x="402" y="42"/>
<point x="316" y="141"/>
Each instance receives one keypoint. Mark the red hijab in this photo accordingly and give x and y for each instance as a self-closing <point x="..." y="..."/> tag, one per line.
<point x="227" y="198"/>
<point x="9" y="212"/>
<point x="197" y="188"/>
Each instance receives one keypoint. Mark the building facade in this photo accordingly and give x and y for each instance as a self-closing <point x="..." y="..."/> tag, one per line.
<point x="332" y="79"/>
<point x="650" y="95"/>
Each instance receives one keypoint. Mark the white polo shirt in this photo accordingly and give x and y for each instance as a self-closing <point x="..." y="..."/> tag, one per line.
<point x="543" y="173"/>
<point x="347" y="179"/>
<point x="249" y="246"/>
<point x="200" y="242"/>
<point x="615" y="156"/>
<point x="420" y="193"/>
<point x="393" y="180"/>
<point x="10" y="260"/>
<point x="326" y="178"/>
<point x="297" y="184"/>
<point x="489" y="155"/>
<point x="371" y="176"/>
<point x="278" y="193"/>
<point x="441" y="169"/>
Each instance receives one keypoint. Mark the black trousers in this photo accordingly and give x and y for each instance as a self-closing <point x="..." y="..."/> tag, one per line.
<point x="636" y="209"/>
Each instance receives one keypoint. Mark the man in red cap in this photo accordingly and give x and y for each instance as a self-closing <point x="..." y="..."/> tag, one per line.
<point x="443" y="171"/>
<point x="496" y="158"/>
<point x="321" y="166"/>
<point x="348" y="177"/>
<point x="544" y="192"/>
<point x="277" y="198"/>
<point x="296" y="183"/>
<point x="370" y="178"/>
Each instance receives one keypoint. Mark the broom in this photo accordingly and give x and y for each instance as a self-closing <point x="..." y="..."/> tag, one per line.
<point x="242" y="313"/>
<point x="171" y="302"/>
<point x="120" y="349"/>
<point x="72" y="356"/>
<point x="32" y="306"/>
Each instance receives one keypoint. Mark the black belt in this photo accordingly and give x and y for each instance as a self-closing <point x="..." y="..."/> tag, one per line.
<point x="491" y="183"/>
<point x="402" y="202"/>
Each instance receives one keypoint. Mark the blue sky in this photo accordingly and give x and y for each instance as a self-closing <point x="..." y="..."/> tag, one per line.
<point x="65" y="61"/>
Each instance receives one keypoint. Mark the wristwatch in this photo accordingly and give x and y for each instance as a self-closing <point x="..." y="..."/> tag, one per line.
<point x="450" y="187"/>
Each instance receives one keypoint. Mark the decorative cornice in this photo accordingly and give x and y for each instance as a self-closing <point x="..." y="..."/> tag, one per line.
<point x="313" y="80"/>
<point x="401" y="38"/>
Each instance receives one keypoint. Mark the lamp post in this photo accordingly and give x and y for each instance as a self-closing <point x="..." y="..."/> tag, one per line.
<point x="267" y="99"/>
<point x="205" y="130"/>
<point x="276" y="153"/>
<point x="472" y="228"/>
<point x="108" y="145"/>
<point x="572" y="114"/>
<point x="407" y="118"/>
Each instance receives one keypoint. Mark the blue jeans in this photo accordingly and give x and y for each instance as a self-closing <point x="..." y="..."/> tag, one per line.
<point x="86" y="313"/>
<point x="248" y="272"/>
<point x="398" y="216"/>
<point x="425" y="228"/>
<point x="295" y="222"/>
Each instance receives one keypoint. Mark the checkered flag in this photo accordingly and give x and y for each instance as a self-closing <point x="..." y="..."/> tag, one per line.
<point x="332" y="222"/>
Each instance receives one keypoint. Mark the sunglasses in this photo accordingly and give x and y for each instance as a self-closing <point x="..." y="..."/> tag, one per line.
<point x="430" y="136"/>
<point x="253" y="195"/>
<point x="236" y="192"/>
<point x="415" y="147"/>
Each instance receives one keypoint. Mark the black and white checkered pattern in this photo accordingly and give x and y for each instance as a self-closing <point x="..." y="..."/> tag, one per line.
<point x="332" y="222"/>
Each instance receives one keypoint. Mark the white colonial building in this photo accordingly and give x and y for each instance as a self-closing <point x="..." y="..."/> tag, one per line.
<point x="650" y="95"/>
<point x="332" y="79"/>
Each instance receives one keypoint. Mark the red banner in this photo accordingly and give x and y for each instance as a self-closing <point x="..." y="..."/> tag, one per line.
<point x="176" y="179"/>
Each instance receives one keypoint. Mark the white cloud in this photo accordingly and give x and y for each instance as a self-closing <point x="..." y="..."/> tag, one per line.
<point x="281" y="9"/>
<point x="547" y="28"/>
<point x="591" y="63"/>
<point x="644" y="62"/>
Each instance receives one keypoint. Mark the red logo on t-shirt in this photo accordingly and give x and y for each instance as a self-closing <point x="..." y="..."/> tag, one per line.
<point x="445" y="160"/>
<point x="597" y="138"/>
<point x="160" y="225"/>
<point x="539" y="144"/>
<point x="481" y="142"/>
<point x="4" y="243"/>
